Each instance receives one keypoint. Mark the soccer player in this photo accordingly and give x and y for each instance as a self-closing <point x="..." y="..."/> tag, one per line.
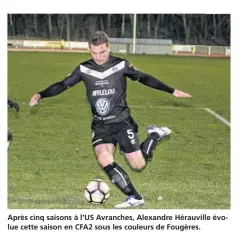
<point x="10" y="137"/>
<point x="15" y="106"/>
<point x="104" y="77"/>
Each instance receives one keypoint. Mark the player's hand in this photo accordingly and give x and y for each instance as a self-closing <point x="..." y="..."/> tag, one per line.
<point x="35" y="100"/>
<point x="178" y="93"/>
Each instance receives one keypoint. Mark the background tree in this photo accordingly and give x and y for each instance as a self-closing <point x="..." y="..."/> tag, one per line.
<point x="211" y="29"/>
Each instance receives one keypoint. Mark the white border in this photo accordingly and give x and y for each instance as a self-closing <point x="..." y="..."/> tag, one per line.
<point x="233" y="226"/>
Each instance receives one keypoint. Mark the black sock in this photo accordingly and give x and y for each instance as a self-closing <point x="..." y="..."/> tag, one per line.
<point x="10" y="136"/>
<point x="149" y="145"/>
<point x="120" y="178"/>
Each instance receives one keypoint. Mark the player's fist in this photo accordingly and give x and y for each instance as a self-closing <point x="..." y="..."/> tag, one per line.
<point x="34" y="100"/>
<point x="178" y="93"/>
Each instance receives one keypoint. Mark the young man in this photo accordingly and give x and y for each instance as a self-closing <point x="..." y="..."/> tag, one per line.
<point x="104" y="77"/>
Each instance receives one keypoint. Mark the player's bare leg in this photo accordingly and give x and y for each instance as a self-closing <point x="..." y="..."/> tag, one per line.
<point x="139" y="159"/>
<point x="104" y="154"/>
<point x="136" y="160"/>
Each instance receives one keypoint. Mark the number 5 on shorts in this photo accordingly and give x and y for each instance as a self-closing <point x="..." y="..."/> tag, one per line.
<point x="131" y="136"/>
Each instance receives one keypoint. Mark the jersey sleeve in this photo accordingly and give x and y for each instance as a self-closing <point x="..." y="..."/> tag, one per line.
<point x="59" y="87"/>
<point x="131" y="72"/>
<point x="146" y="79"/>
<point x="73" y="78"/>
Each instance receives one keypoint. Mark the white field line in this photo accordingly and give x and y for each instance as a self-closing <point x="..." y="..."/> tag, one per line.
<point x="160" y="107"/>
<point x="217" y="116"/>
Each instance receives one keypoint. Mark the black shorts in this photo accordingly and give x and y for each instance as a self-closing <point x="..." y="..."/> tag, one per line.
<point x="124" y="133"/>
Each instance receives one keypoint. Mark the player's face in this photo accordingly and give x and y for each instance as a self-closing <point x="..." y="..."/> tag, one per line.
<point x="100" y="53"/>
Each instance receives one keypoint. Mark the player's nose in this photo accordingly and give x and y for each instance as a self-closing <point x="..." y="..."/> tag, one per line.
<point x="98" y="57"/>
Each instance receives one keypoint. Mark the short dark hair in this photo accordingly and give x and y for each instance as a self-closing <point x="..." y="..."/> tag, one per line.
<point x="98" y="38"/>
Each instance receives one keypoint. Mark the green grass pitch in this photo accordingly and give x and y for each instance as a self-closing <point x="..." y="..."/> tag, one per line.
<point x="51" y="160"/>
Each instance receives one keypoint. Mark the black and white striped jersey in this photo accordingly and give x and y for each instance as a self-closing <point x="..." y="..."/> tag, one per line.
<point x="106" y="87"/>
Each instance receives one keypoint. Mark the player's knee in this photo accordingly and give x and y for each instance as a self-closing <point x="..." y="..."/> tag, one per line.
<point x="136" y="161"/>
<point x="104" y="154"/>
<point x="104" y="158"/>
<point x="139" y="166"/>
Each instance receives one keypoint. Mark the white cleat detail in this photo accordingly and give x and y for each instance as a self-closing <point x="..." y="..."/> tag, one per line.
<point x="161" y="131"/>
<point x="130" y="202"/>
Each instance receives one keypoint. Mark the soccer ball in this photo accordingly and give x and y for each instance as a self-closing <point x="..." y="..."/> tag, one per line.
<point x="97" y="191"/>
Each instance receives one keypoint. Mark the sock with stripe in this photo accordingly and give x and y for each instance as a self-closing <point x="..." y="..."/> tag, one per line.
<point x="121" y="179"/>
<point x="148" y="146"/>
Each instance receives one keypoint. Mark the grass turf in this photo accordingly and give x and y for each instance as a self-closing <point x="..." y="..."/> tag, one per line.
<point x="51" y="160"/>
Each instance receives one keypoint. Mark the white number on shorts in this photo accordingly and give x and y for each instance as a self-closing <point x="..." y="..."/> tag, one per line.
<point x="131" y="136"/>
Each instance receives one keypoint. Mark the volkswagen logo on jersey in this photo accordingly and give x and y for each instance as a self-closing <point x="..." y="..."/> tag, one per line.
<point x="102" y="106"/>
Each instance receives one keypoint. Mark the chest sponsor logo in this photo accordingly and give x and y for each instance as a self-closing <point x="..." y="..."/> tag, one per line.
<point x="103" y="92"/>
<point x="102" y="83"/>
<point x="102" y="106"/>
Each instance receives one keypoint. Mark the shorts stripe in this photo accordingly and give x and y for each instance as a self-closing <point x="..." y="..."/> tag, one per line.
<point x="96" y="141"/>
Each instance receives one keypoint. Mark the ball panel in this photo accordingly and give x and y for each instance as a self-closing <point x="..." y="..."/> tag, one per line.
<point x="107" y="195"/>
<point x="97" y="191"/>
<point x="104" y="187"/>
<point x="93" y="185"/>
<point x="97" y="196"/>
<point x="87" y="195"/>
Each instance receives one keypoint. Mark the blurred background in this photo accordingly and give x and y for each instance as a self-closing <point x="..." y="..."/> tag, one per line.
<point x="195" y="29"/>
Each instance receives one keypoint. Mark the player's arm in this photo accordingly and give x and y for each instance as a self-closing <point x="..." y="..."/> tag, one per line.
<point x="151" y="81"/>
<point x="58" y="87"/>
